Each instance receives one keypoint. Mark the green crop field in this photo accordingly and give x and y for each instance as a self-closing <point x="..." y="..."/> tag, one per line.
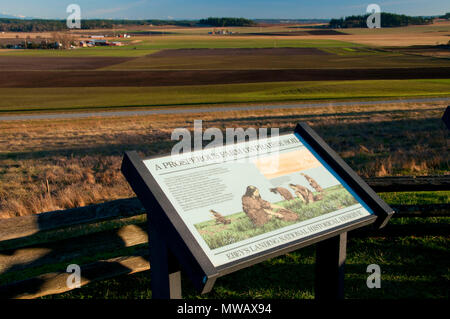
<point x="67" y="99"/>
<point x="147" y="45"/>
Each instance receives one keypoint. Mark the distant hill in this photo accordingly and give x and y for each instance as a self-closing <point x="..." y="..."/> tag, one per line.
<point x="387" y="20"/>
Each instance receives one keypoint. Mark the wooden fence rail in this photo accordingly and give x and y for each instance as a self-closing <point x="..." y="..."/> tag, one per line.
<point x="409" y="183"/>
<point x="110" y="239"/>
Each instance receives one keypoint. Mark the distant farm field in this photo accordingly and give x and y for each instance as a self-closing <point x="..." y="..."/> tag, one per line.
<point x="286" y="56"/>
<point x="186" y="66"/>
<point x="38" y="63"/>
<point x="78" y="98"/>
<point x="148" y="45"/>
<point x="275" y="58"/>
<point x="157" y="78"/>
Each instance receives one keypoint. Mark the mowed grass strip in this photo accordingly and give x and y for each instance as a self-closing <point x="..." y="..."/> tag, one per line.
<point x="64" y="99"/>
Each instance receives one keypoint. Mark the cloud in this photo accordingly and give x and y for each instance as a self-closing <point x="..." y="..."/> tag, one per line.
<point x="12" y="15"/>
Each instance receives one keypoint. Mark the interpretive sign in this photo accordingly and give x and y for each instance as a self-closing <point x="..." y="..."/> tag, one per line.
<point x="232" y="206"/>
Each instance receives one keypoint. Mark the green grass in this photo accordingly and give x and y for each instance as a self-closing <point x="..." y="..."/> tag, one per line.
<point x="64" y="99"/>
<point x="411" y="198"/>
<point x="151" y="44"/>
<point x="411" y="267"/>
<point x="241" y="227"/>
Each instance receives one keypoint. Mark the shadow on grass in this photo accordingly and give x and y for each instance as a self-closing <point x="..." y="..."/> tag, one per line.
<point x="411" y="267"/>
<point x="36" y="269"/>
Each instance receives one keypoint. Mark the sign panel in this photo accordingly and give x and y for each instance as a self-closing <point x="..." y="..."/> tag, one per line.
<point x="247" y="198"/>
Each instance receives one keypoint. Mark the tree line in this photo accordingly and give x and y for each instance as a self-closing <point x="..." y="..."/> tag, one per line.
<point x="38" y="25"/>
<point x="57" y="40"/>
<point x="41" y="25"/>
<point x="387" y="20"/>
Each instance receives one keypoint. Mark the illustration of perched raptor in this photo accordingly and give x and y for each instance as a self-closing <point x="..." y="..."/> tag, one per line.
<point x="286" y="194"/>
<point x="260" y="211"/>
<point x="313" y="183"/>
<point x="219" y="218"/>
<point x="303" y="193"/>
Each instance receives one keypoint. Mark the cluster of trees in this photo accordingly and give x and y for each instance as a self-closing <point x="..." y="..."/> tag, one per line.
<point x="387" y="20"/>
<point x="57" y="40"/>
<point x="445" y="16"/>
<point x="227" y="22"/>
<point x="31" y="45"/>
<point x="20" y="25"/>
<point x="38" y="25"/>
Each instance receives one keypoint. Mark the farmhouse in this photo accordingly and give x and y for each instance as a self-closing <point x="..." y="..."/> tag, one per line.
<point x="101" y="42"/>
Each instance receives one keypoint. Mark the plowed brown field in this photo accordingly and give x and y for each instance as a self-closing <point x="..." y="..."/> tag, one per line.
<point x="30" y="79"/>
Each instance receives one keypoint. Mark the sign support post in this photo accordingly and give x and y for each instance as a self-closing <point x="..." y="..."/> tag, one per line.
<point x="329" y="268"/>
<point x="165" y="271"/>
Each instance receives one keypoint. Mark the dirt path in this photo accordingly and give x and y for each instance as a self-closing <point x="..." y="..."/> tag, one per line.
<point x="213" y="109"/>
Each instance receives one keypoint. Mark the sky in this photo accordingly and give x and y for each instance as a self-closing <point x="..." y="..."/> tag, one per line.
<point x="196" y="9"/>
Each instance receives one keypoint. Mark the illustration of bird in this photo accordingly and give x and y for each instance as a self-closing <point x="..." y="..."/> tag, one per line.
<point x="303" y="193"/>
<point x="312" y="182"/>
<point x="286" y="194"/>
<point x="219" y="218"/>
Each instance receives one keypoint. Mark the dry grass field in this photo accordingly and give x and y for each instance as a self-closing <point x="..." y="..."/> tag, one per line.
<point x="59" y="164"/>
